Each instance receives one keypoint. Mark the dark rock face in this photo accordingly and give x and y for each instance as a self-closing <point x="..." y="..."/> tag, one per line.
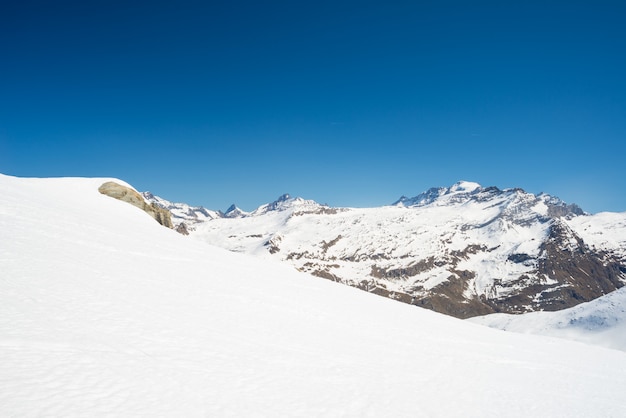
<point x="557" y="211"/>
<point x="583" y="274"/>
<point x="570" y="273"/>
<point x="182" y="229"/>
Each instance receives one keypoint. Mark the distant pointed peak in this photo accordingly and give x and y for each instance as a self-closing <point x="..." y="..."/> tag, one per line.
<point x="280" y="202"/>
<point x="234" y="212"/>
<point x="401" y="201"/>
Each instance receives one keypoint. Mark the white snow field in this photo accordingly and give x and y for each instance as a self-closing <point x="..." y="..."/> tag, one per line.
<point x="105" y="313"/>
<point x="601" y="321"/>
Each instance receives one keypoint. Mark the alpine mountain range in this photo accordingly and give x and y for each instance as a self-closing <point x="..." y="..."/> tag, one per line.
<point x="463" y="250"/>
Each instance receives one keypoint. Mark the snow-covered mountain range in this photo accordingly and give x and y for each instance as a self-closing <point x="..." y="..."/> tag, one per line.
<point x="104" y="312"/>
<point x="464" y="250"/>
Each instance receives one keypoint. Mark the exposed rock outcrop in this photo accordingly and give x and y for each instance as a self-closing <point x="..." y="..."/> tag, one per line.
<point x="128" y="195"/>
<point x="182" y="229"/>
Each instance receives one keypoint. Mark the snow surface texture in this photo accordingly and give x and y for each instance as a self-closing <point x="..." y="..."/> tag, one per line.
<point x="103" y="312"/>
<point x="601" y="321"/>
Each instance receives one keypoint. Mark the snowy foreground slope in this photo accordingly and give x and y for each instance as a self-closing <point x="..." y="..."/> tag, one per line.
<point x="103" y="312"/>
<point x="601" y="321"/>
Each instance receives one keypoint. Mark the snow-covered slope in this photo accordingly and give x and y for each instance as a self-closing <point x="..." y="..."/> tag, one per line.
<point x="103" y="312"/>
<point x="605" y="231"/>
<point x="601" y="321"/>
<point x="464" y="250"/>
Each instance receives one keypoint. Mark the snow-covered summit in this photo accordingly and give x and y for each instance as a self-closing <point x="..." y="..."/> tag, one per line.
<point x="464" y="186"/>
<point x="285" y="203"/>
<point x="436" y="193"/>
<point x="514" y="200"/>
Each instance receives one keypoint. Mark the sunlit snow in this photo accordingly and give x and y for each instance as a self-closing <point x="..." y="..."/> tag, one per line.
<point x="103" y="312"/>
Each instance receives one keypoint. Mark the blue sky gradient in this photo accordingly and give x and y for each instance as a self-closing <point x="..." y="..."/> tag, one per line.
<point x="347" y="103"/>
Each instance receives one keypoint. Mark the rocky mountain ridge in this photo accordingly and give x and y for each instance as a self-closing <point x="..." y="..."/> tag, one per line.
<point x="464" y="250"/>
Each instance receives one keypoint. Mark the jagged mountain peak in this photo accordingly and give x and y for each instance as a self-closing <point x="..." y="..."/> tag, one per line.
<point x="282" y="201"/>
<point x="234" y="212"/>
<point x="557" y="207"/>
<point x="435" y="193"/>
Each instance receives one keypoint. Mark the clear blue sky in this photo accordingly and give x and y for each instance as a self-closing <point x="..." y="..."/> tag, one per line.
<point x="347" y="103"/>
